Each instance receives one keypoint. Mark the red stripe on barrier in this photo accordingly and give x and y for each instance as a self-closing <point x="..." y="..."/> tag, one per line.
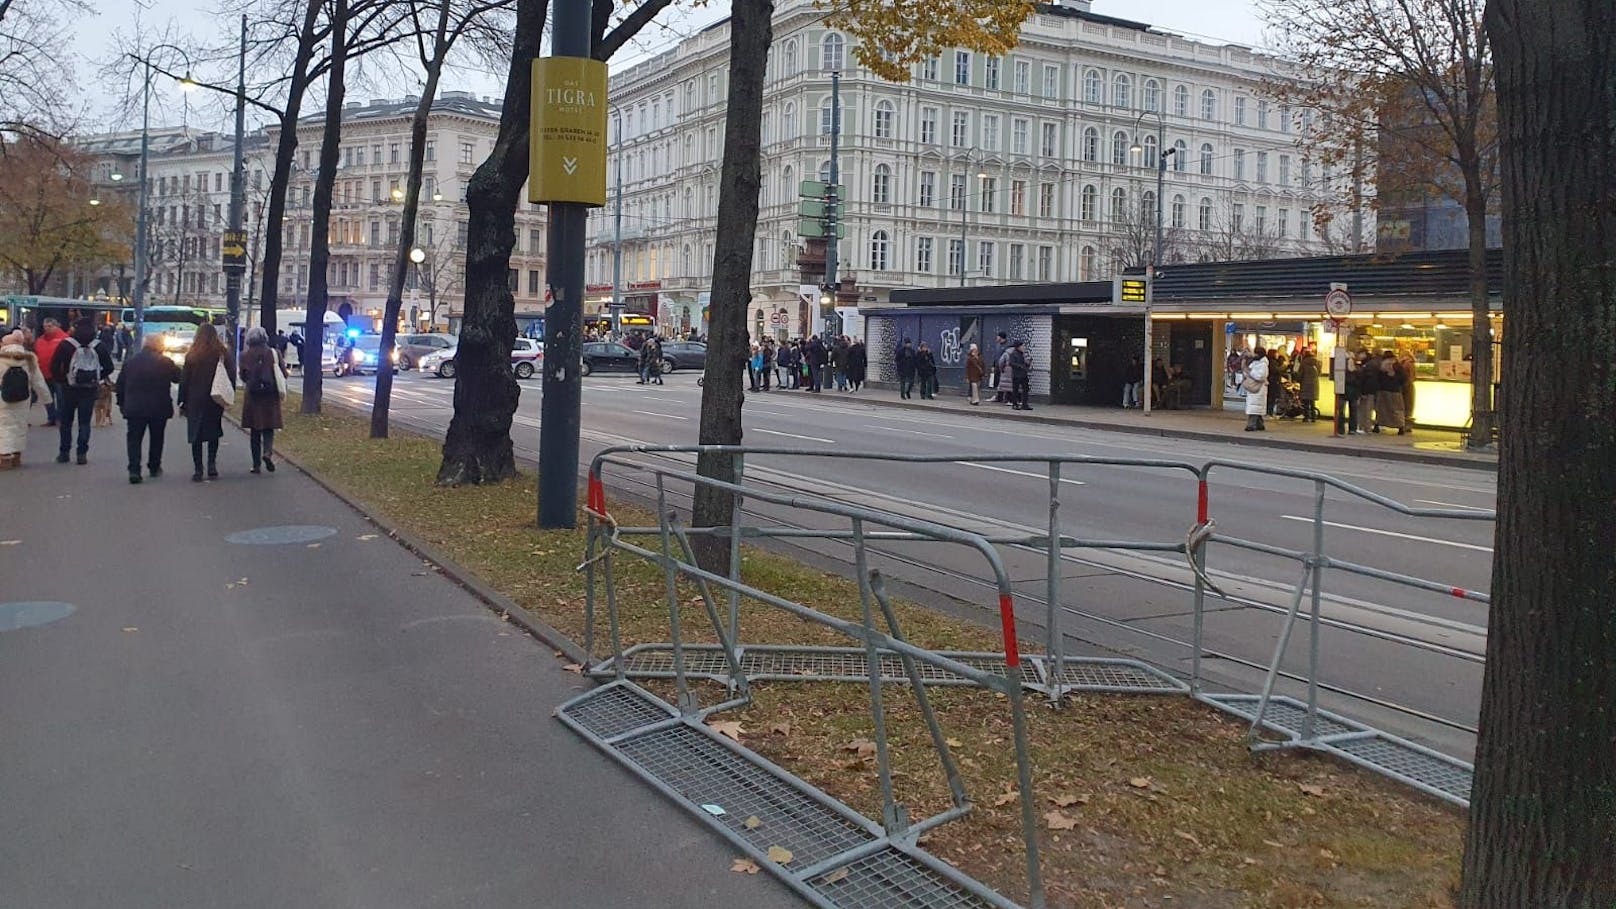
<point x="1007" y="617"/>
<point x="597" y="495"/>
<point x="1200" y="503"/>
<point x="1459" y="592"/>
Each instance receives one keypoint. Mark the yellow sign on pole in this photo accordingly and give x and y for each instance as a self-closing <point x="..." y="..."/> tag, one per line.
<point x="567" y="139"/>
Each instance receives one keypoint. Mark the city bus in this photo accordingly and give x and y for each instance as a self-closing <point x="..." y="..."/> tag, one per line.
<point x="176" y="325"/>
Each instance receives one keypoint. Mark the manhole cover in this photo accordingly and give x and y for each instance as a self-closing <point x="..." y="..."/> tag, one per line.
<point x="16" y="616"/>
<point x="272" y="536"/>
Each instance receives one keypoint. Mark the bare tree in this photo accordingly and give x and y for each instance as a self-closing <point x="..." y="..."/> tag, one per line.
<point x="1418" y="74"/>
<point x="1236" y="236"/>
<point x="1132" y="237"/>
<point x="36" y="69"/>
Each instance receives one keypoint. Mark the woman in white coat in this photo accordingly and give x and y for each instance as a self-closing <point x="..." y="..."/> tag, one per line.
<point x="1256" y="386"/>
<point x="14" y="413"/>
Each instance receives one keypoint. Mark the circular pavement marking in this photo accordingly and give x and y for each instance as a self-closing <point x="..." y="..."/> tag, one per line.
<point x="276" y="536"/>
<point x="32" y="614"/>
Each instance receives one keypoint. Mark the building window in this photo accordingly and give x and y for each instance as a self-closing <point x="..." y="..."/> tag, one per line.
<point x="467" y="150"/>
<point x="1307" y="174"/>
<point x="990" y="194"/>
<point x="1206" y="159"/>
<point x="827" y="116"/>
<point x="990" y="132"/>
<point x="1151" y="151"/>
<point x="1119" y="205"/>
<point x="1090" y="200"/>
<point x="832" y="53"/>
<point x="928" y="125"/>
<point x="1152" y="95"/>
<point x="788" y="122"/>
<point x="1086" y="264"/>
<point x="1046" y="200"/>
<point x="1284" y="170"/>
<point x="1093" y="93"/>
<point x="956" y="192"/>
<point x="960" y="137"/>
<point x="928" y="70"/>
<point x="1284" y="118"/>
<point x="881" y="185"/>
<point x="1049" y="146"/>
<point x="1209" y="105"/>
<point x="1023" y="77"/>
<point x="1284" y="222"/>
<point x="1262" y="113"/>
<point x="962" y="67"/>
<point x="791" y="58"/>
<point x="1204" y="214"/>
<point x="1122" y="91"/>
<point x="1046" y="262"/>
<point x="1262" y="167"/>
<point x="1178" y="211"/>
<point x="1180" y="152"/>
<point x="923" y="248"/>
<point x="1237" y="217"/>
<point x="1181" y="101"/>
<point x="1018" y="136"/>
<point x="1240" y="111"/>
<point x="1091" y="144"/>
<point x="375" y="277"/>
<point x="883" y="119"/>
<point x="1018" y="255"/>
<point x="1240" y="164"/>
<point x="1262" y="219"/>
<point x="1018" y="197"/>
<point x="984" y="258"/>
<point x="532" y="282"/>
<point x="535" y="241"/>
<point x="1147" y="207"/>
<point x="375" y="233"/>
<point x="392" y="153"/>
<point x="956" y="256"/>
<point x="990" y="73"/>
<point x="1051" y="82"/>
<point x="928" y="188"/>
<point x="1119" y="147"/>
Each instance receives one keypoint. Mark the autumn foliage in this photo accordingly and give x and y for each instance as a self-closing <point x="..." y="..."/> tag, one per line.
<point x="47" y="220"/>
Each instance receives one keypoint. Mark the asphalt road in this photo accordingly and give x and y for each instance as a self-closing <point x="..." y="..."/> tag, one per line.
<point x="1404" y="659"/>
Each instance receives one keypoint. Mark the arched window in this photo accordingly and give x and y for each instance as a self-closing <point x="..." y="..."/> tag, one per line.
<point x="1091" y="144"/>
<point x="1119" y="147"/>
<point x="1119" y="205"/>
<point x="690" y="202"/>
<point x="878" y="250"/>
<point x="1093" y="88"/>
<point x="791" y="68"/>
<point x="1206" y="159"/>
<point x="1209" y="105"/>
<point x="1178" y="211"/>
<point x="1152" y="95"/>
<point x="881" y="185"/>
<point x="832" y="53"/>
<point x="1151" y="152"/>
<point x="1122" y="91"/>
<point x="1203" y="218"/>
<point x="883" y="119"/>
<point x="788" y="121"/>
<point x="1147" y="207"/>
<point x="788" y="183"/>
<point x="1181" y="101"/>
<point x="1091" y="200"/>
<point x="1087" y="263"/>
<point x="688" y="270"/>
<point x="765" y="133"/>
<point x="824" y="171"/>
<point x="1180" y="152"/>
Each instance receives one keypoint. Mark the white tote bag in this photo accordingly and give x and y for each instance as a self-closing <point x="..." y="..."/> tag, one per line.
<point x="224" y="391"/>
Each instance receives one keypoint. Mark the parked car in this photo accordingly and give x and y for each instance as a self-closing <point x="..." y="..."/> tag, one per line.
<point x="440" y="362"/>
<point x="411" y="348"/>
<point x="683" y="355"/>
<point x="526" y="359"/>
<point x="609" y="356"/>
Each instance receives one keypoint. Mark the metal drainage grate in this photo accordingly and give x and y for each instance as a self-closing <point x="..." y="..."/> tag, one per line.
<point x="614" y="710"/>
<point x="890" y="879"/>
<point x="1284" y="715"/>
<point x="1396" y="758"/>
<point x="705" y="772"/>
<point x="1114" y="676"/>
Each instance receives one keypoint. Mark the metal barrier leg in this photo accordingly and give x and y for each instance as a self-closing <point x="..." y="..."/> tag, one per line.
<point x="1054" y="639"/>
<point x="1029" y="822"/>
<point x="1279" y="653"/>
<point x="590" y="540"/>
<point x="735" y="553"/>
<point x="687" y="701"/>
<point x="1317" y="567"/>
<point x="614" y="621"/>
<point x="1198" y="638"/>
<point x="956" y="784"/>
<point x="893" y="819"/>
<point x="732" y="650"/>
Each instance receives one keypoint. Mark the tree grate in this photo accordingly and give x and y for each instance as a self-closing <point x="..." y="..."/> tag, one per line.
<point x="614" y="710"/>
<point x="1397" y="759"/>
<point x="707" y="773"/>
<point x="889" y="879"/>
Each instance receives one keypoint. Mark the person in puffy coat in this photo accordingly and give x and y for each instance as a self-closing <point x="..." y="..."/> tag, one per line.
<point x="975" y="369"/>
<point x="14" y="354"/>
<point x="144" y="398"/>
<point x="1256" y="386"/>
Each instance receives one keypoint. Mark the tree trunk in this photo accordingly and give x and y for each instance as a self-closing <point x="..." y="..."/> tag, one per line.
<point x="751" y="31"/>
<point x="1483" y="418"/>
<point x="406" y="236"/>
<point x="1543" y="811"/>
<point x="285" y="150"/>
<point x="320" y="234"/>
<point x="477" y="447"/>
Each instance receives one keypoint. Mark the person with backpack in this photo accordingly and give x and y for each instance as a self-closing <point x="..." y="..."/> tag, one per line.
<point x="81" y="363"/>
<point x="143" y="396"/>
<point x="1020" y="366"/>
<point x="204" y="416"/>
<point x="20" y="380"/>
<point x="265" y="382"/>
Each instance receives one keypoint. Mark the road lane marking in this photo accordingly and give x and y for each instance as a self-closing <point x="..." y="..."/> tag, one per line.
<point x="1391" y="533"/>
<point x="665" y="416"/>
<point x="913" y="432"/>
<point x="792" y="435"/>
<point x="1019" y="473"/>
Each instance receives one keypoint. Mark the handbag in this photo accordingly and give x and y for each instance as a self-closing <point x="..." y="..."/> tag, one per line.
<point x="224" y="390"/>
<point x="1252" y="385"/>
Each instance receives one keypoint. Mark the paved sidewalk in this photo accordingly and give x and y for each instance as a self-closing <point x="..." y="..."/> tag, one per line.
<point x="318" y="723"/>
<point x="1427" y="446"/>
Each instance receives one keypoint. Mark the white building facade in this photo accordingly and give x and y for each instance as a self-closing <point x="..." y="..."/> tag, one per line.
<point x="1037" y="166"/>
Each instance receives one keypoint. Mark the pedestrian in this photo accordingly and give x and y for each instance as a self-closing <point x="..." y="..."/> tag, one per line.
<point x="1276" y="379"/>
<point x="1307" y="376"/>
<point x="905" y="359"/>
<point x="1159" y="377"/>
<point x="1133" y="383"/>
<point x="264" y="380"/>
<point x="1389" y="400"/>
<point x="204" y="416"/>
<point x="1368" y="392"/>
<point x="858" y="364"/>
<point x="51" y="335"/>
<point x="1405" y="362"/>
<point x="655" y="370"/>
<point x="815" y="357"/>
<point x="144" y="398"/>
<point x="1020" y="375"/>
<point x="83" y="363"/>
<point x="280" y="342"/>
<point x="21" y="383"/>
<point x="767" y="369"/>
<point x="645" y="363"/>
<point x="926" y="371"/>
<point x="126" y="342"/>
<point x="754" y="365"/>
<point x="838" y="360"/>
<point x="999" y="357"/>
<point x="974" y="370"/>
<point x="1256" y="386"/>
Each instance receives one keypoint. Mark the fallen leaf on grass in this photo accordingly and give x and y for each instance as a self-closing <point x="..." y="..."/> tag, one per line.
<point x="861" y="747"/>
<point x="1067" y="800"/>
<point x="752" y="823"/>
<point x="780" y="855"/>
<point x="1188" y="836"/>
<point x="1274" y="844"/>
<point x="1311" y="789"/>
<point x="781" y="729"/>
<point x="834" y="876"/>
<point x="1140" y="782"/>
<point x="1006" y="798"/>
<point x="744" y="866"/>
<point x="953" y="743"/>
<point x="1060" y="820"/>
<point x="729" y="728"/>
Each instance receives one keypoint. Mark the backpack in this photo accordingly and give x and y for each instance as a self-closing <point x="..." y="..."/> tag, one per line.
<point x="262" y="381"/>
<point x="14" y="386"/>
<point x="84" y="370"/>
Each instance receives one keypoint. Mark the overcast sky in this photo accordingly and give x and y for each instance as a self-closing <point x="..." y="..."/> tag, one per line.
<point x="1220" y="21"/>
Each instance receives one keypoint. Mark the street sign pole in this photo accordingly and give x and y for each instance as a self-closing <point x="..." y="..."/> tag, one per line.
<point x="234" y="249"/>
<point x="833" y="202"/>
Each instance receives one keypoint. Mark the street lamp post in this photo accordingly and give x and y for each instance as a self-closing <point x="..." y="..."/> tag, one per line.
<point x="965" y="209"/>
<point x="142" y="266"/>
<point x="616" y="322"/>
<point x="1155" y="258"/>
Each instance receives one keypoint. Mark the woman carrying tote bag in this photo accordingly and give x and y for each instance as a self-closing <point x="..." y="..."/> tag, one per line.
<point x="207" y="387"/>
<point x="264" y="382"/>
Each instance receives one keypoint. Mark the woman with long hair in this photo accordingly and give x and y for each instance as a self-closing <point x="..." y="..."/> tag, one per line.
<point x="264" y="381"/>
<point x="204" y="417"/>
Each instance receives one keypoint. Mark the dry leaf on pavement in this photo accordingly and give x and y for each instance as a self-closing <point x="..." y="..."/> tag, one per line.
<point x="780" y="855"/>
<point x="574" y="667"/>
<point x="752" y="823"/>
<point x="130" y="629"/>
<point x="1060" y="820"/>
<point x="834" y="876"/>
<point x="744" y="866"/>
<point x="730" y="728"/>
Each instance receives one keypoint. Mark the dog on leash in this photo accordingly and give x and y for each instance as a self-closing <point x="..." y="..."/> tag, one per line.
<point x="103" y="405"/>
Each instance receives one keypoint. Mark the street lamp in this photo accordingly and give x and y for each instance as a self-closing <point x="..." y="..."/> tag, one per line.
<point x="1155" y="259"/>
<point x="965" y="209"/>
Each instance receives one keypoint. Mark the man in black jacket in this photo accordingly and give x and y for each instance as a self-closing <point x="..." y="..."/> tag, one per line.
<point x="146" y="402"/>
<point x="79" y="393"/>
<point x="905" y="360"/>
